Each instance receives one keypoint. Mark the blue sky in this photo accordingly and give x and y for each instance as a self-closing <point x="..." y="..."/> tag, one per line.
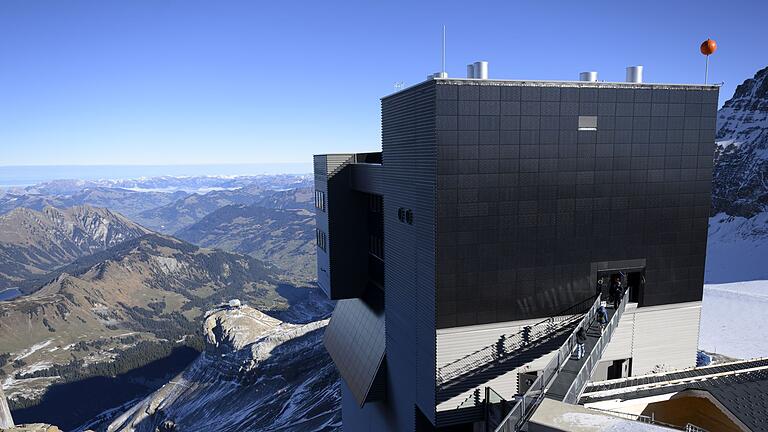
<point x="191" y="82"/>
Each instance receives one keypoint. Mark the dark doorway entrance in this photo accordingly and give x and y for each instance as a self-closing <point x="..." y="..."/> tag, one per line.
<point x="632" y="283"/>
<point x="620" y="369"/>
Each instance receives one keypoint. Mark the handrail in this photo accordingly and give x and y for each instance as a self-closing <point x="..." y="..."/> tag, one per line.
<point x="509" y="343"/>
<point x="529" y="401"/>
<point x="588" y="367"/>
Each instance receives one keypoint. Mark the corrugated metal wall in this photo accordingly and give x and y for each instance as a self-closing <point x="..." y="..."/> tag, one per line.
<point x="654" y="337"/>
<point x="409" y="162"/>
<point x="665" y="338"/>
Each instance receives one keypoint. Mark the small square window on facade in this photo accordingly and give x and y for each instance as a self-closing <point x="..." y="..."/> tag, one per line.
<point x="320" y="200"/>
<point x="587" y="123"/>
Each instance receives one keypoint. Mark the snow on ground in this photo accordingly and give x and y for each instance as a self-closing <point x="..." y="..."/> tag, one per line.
<point x="737" y="249"/>
<point x="603" y="423"/>
<point x="34" y="348"/>
<point x="734" y="320"/>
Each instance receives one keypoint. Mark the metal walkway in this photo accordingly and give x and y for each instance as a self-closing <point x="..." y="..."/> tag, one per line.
<point x="565" y="377"/>
<point x="509" y="352"/>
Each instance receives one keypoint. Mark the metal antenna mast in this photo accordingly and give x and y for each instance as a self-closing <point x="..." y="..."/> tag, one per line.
<point x="442" y="69"/>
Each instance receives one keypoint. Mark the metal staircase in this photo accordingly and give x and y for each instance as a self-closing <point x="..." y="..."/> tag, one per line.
<point x="508" y="353"/>
<point x="565" y="377"/>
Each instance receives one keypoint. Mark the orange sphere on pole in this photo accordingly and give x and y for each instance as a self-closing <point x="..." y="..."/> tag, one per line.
<point x="708" y="47"/>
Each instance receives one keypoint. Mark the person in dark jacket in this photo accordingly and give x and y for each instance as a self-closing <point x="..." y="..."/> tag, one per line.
<point x="581" y="338"/>
<point x="616" y="292"/>
<point x="602" y="316"/>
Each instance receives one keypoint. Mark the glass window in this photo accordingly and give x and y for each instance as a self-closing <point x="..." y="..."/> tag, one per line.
<point x="322" y="240"/>
<point x="320" y="200"/>
<point x="587" y="123"/>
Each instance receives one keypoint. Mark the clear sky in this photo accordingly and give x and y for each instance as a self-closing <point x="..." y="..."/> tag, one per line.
<point x="193" y="82"/>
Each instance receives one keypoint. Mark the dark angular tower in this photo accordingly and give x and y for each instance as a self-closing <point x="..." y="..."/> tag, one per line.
<point x="495" y="204"/>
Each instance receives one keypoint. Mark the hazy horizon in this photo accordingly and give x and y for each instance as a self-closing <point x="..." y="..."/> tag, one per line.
<point x="26" y="175"/>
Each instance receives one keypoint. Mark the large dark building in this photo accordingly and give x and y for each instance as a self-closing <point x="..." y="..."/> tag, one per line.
<point x="495" y="204"/>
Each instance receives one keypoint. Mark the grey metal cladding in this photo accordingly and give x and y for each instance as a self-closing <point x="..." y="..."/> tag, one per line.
<point x="355" y="340"/>
<point x="347" y="238"/>
<point x="410" y="159"/>
<point x="368" y="178"/>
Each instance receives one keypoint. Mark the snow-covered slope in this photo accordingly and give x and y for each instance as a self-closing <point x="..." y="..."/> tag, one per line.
<point x="257" y="373"/>
<point x="736" y="295"/>
<point x="738" y="231"/>
<point x="733" y="321"/>
<point x="740" y="181"/>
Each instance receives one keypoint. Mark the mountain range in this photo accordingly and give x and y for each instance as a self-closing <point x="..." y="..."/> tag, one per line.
<point x="738" y="228"/>
<point x="262" y="366"/>
<point x="151" y="289"/>
<point x="284" y="237"/>
<point x="33" y="243"/>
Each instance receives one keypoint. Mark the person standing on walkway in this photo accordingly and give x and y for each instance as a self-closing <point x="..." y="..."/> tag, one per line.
<point x="581" y="339"/>
<point x="616" y="292"/>
<point x="602" y="316"/>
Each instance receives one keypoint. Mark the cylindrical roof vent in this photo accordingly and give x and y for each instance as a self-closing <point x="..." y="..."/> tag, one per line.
<point x="588" y="76"/>
<point x="441" y="75"/>
<point x="470" y="71"/>
<point x="635" y="74"/>
<point x="481" y="69"/>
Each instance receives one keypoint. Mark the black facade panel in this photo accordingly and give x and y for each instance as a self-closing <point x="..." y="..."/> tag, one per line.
<point x="347" y="238"/>
<point x="520" y="223"/>
<point x="355" y="340"/>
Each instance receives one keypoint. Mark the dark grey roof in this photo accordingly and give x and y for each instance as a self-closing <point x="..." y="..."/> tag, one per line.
<point x="744" y="394"/>
<point x="355" y="340"/>
<point x="672" y="376"/>
<point x="746" y="397"/>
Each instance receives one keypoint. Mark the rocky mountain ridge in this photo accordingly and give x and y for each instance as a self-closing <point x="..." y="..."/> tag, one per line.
<point x="740" y="178"/>
<point x="35" y="242"/>
<point x="738" y="229"/>
<point x="256" y="373"/>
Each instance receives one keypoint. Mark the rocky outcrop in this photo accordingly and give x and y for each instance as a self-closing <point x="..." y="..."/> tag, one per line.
<point x="256" y="373"/>
<point x="738" y="233"/>
<point x="740" y="177"/>
<point x="6" y="421"/>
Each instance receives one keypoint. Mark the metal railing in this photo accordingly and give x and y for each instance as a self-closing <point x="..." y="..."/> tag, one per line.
<point x="588" y="367"/>
<point x="527" y="403"/>
<point x="507" y="345"/>
<point x="627" y="416"/>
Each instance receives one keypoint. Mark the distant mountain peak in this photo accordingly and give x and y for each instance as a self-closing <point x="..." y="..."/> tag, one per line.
<point x="741" y="155"/>
<point x="744" y="117"/>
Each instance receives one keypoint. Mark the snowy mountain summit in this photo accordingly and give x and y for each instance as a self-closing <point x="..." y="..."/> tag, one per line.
<point x="256" y="373"/>
<point x="740" y="179"/>
<point x="738" y="229"/>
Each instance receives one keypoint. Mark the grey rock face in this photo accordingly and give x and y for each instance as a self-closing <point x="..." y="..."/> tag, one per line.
<point x="256" y="373"/>
<point x="6" y="421"/>
<point x="740" y="177"/>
